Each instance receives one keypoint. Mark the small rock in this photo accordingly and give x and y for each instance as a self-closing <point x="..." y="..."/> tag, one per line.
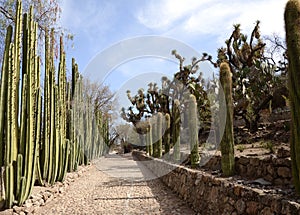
<point x="29" y="210"/>
<point x="61" y="190"/>
<point x="28" y="204"/>
<point x="254" y="161"/>
<point x="17" y="209"/>
<point x="243" y="160"/>
<point x="283" y="153"/>
<point x="261" y="181"/>
<point x="284" y="172"/>
<point x="266" y="211"/>
<point x="270" y="169"/>
<point x="240" y="206"/>
<point x="252" y="207"/>
<point x="237" y="190"/>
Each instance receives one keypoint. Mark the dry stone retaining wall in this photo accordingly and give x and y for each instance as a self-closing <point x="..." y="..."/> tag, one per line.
<point x="273" y="169"/>
<point x="209" y="194"/>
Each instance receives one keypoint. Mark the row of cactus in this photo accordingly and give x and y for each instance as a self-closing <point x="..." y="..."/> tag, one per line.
<point x="54" y="150"/>
<point x="42" y="135"/>
<point x="292" y="17"/>
<point x="20" y="141"/>
<point x="158" y="133"/>
<point x="157" y="139"/>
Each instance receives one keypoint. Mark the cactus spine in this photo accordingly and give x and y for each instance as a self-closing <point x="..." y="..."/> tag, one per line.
<point x="292" y="19"/>
<point x="193" y="130"/>
<point x="227" y="142"/>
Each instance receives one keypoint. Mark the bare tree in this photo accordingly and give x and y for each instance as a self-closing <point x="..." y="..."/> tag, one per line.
<point x="46" y="14"/>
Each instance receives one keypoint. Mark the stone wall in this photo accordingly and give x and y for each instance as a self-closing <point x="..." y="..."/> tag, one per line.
<point x="274" y="169"/>
<point x="209" y="194"/>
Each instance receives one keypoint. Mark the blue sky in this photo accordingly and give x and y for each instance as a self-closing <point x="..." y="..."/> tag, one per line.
<point x="201" y="24"/>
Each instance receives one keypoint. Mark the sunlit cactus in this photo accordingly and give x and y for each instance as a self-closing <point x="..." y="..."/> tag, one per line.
<point x="167" y="135"/>
<point x="193" y="131"/>
<point x="227" y="142"/>
<point x="292" y="18"/>
<point x="176" y="130"/>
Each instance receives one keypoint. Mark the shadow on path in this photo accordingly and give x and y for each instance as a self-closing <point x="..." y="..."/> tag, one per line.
<point x="127" y="172"/>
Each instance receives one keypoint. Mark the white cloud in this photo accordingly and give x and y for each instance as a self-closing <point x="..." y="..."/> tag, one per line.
<point x="162" y="14"/>
<point x="91" y="17"/>
<point x="212" y="17"/>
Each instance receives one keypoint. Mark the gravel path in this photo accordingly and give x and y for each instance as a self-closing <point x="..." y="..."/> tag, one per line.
<point x="97" y="192"/>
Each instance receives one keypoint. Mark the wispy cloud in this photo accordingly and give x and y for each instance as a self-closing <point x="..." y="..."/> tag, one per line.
<point x="91" y="18"/>
<point x="163" y="14"/>
<point x="212" y="17"/>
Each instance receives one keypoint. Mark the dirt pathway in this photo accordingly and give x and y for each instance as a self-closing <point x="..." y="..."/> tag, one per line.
<point x="98" y="192"/>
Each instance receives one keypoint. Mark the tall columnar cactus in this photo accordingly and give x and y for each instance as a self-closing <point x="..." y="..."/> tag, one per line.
<point x="3" y="92"/>
<point x="176" y="129"/>
<point x="32" y="109"/>
<point x="73" y="116"/>
<point x="159" y="135"/>
<point x="30" y="147"/>
<point x="48" y="144"/>
<point x="227" y="142"/>
<point x="167" y="134"/>
<point x="193" y="131"/>
<point x="292" y="18"/>
<point x="149" y="138"/>
<point x="22" y="141"/>
<point x="154" y="135"/>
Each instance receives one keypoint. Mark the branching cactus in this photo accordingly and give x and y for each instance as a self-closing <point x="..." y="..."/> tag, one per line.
<point x="292" y="19"/>
<point x="227" y="142"/>
<point x="193" y="131"/>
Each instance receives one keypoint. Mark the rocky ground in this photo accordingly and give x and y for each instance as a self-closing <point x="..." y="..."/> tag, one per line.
<point x="91" y="191"/>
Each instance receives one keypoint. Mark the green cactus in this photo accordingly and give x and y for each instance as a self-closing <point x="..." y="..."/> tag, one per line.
<point x="3" y="91"/>
<point x="149" y="138"/>
<point x="29" y="146"/>
<point x="167" y="135"/>
<point x="154" y="136"/>
<point x="227" y="142"/>
<point x="193" y="131"/>
<point x="176" y="129"/>
<point x="292" y="18"/>
<point x="159" y="134"/>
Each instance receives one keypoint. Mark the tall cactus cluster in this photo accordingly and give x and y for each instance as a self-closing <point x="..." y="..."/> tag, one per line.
<point x="43" y="135"/>
<point x="292" y="18"/>
<point x="159" y="129"/>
